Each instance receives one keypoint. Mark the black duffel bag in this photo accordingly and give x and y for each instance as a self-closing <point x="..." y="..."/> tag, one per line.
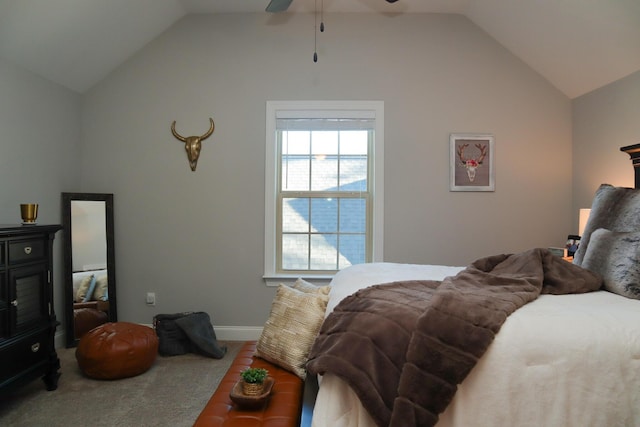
<point x="187" y="332"/>
<point x="173" y="341"/>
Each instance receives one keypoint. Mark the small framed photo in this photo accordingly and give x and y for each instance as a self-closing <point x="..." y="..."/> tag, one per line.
<point x="471" y="162"/>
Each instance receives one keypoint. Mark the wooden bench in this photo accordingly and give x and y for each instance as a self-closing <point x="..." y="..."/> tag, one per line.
<point x="283" y="409"/>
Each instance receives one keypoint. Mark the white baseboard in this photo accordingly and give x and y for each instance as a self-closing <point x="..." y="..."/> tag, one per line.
<point x="223" y="333"/>
<point x="235" y="333"/>
<point x="238" y="333"/>
<point x="59" y="339"/>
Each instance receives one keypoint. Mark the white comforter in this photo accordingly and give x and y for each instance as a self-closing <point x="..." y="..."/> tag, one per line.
<point x="559" y="361"/>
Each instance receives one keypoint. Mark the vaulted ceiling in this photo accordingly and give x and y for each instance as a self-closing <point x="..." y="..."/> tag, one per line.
<point x="578" y="45"/>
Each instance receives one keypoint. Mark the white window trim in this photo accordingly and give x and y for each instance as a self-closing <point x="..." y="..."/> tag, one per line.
<point x="377" y="109"/>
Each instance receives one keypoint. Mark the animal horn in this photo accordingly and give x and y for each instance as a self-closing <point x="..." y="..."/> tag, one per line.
<point x="460" y="152"/>
<point x="176" y="134"/>
<point x="483" y="152"/>
<point x="209" y="132"/>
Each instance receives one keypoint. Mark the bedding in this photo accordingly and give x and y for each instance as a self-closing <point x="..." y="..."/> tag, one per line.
<point x="609" y="245"/>
<point x="422" y="338"/>
<point x="615" y="255"/>
<point x="561" y="360"/>
<point x="613" y="209"/>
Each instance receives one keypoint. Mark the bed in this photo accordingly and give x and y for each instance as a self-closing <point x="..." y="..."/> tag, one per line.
<point x="558" y="360"/>
<point x="551" y="364"/>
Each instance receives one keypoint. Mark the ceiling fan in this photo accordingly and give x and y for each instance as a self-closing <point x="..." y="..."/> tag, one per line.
<point x="282" y="5"/>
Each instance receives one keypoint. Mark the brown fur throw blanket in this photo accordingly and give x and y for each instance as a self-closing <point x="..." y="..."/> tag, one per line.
<point x="404" y="347"/>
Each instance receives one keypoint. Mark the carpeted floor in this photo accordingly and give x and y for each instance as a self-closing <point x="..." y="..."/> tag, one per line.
<point x="171" y="393"/>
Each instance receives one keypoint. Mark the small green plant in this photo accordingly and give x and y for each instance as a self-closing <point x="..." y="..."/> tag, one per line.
<point x="254" y="375"/>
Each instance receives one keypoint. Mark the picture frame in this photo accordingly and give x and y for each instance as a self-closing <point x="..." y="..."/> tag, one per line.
<point x="471" y="162"/>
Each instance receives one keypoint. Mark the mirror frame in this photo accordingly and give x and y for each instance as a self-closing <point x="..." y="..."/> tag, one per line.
<point x="67" y="198"/>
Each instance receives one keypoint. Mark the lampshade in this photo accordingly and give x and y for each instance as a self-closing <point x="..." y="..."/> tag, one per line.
<point x="582" y="220"/>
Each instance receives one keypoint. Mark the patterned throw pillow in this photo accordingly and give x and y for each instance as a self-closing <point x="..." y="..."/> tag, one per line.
<point x="100" y="294"/>
<point x="292" y="327"/>
<point x="83" y="288"/>
<point x="616" y="256"/>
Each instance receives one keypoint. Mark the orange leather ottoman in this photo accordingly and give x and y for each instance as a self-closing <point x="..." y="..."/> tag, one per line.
<point x="117" y="350"/>
<point x="282" y="409"/>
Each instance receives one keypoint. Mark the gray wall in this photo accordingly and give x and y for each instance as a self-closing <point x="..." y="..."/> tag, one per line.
<point x="196" y="239"/>
<point x="603" y="121"/>
<point x="39" y="152"/>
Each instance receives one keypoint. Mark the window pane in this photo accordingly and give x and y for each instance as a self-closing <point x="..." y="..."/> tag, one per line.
<point x="324" y="142"/>
<point x="353" y="173"/>
<point x="295" y="173"/>
<point x="295" y="215"/>
<point x="324" y="215"/>
<point x="324" y="173"/>
<point x="295" y="166"/>
<point x="352" y="250"/>
<point x="295" y="251"/>
<point x="353" y="215"/>
<point x="296" y="142"/>
<point x="354" y="142"/>
<point x="324" y="252"/>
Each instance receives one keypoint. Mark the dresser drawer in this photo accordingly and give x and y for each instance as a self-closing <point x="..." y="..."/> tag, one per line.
<point x="28" y="352"/>
<point x="26" y="250"/>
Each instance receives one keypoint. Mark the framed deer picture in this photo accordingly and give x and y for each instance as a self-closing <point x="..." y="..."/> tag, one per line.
<point x="472" y="162"/>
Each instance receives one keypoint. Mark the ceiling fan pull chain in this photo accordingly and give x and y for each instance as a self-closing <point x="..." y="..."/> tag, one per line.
<point x="322" y="16"/>
<point x="315" y="32"/>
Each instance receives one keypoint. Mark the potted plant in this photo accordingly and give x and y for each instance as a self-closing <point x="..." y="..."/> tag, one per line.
<point x="253" y="380"/>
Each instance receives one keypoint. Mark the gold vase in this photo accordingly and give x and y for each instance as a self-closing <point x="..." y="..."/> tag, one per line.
<point x="29" y="212"/>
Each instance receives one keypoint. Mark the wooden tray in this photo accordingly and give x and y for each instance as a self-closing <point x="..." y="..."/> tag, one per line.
<point x="251" y="402"/>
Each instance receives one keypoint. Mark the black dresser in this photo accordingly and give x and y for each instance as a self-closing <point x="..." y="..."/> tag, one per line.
<point x="27" y="317"/>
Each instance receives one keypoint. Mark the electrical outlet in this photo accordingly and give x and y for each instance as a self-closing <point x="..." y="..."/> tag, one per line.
<point x="151" y="298"/>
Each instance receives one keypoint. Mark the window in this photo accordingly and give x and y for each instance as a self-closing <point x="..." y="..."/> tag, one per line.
<point x="324" y="186"/>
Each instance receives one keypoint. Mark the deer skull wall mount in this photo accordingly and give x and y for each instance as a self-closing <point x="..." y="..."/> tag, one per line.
<point x="472" y="163"/>
<point x="192" y="144"/>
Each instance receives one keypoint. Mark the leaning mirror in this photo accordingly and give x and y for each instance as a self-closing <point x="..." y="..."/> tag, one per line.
<point x="89" y="263"/>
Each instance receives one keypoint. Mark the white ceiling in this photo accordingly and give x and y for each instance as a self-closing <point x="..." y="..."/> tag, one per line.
<point x="578" y="45"/>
